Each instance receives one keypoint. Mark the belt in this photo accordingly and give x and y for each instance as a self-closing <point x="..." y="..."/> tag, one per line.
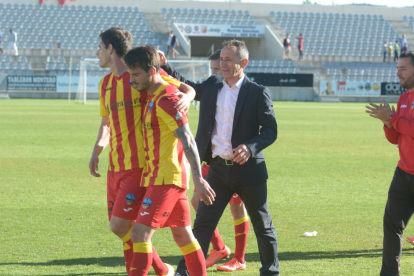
<point x="227" y="162"/>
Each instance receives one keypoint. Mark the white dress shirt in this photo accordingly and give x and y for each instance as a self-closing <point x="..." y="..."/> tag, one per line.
<point x="223" y="128"/>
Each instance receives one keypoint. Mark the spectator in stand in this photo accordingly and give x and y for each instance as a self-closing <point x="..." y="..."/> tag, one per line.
<point x="12" y="43"/>
<point x="300" y="46"/>
<point x="385" y="50"/>
<point x="390" y="51"/>
<point x="286" y="44"/>
<point x="404" y="48"/>
<point x="174" y="44"/>
<point x="169" y="40"/>
<point x="403" y="43"/>
<point x="396" y="50"/>
<point x="1" y="37"/>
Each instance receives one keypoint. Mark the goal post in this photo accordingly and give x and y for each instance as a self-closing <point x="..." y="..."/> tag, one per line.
<point x="90" y="74"/>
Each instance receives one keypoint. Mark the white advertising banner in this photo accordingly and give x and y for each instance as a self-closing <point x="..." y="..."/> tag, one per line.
<point x="224" y="30"/>
<point x="349" y="88"/>
<point x="62" y="84"/>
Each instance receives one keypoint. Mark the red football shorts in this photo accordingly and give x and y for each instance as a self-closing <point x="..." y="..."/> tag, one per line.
<point x="165" y="206"/>
<point x="124" y="195"/>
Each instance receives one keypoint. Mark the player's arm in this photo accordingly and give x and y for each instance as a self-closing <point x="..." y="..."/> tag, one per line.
<point x="187" y="95"/>
<point x="185" y="92"/>
<point x="198" y="87"/>
<point x="101" y="142"/>
<point x="204" y="190"/>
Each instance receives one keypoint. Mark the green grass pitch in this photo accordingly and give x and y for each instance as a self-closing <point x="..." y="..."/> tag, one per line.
<point x="329" y="169"/>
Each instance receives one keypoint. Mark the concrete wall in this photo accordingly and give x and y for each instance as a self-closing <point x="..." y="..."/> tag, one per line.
<point x="273" y="46"/>
<point x="51" y="95"/>
<point x="292" y="94"/>
<point x="255" y="9"/>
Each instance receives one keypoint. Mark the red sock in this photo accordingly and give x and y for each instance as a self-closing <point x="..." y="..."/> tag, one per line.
<point x="159" y="267"/>
<point x="216" y="241"/>
<point x="128" y="252"/>
<point x="241" y="229"/>
<point x="141" y="262"/>
<point x="194" y="258"/>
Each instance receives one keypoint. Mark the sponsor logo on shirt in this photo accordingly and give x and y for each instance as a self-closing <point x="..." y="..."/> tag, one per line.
<point x="403" y="106"/>
<point x="129" y="209"/>
<point x="144" y="214"/>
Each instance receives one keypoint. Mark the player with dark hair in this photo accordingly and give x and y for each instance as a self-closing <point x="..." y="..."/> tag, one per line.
<point x="398" y="128"/>
<point x="120" y="108"/>
<point x="170" y="150"/>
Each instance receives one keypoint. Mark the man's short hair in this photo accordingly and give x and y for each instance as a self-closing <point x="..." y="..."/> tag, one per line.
<point x="120" y="39"/>
<point x="408" y="54"/>
<point x="144" y="57"/>
<point x="242" y="51"/>
<point x="215" y="56"/>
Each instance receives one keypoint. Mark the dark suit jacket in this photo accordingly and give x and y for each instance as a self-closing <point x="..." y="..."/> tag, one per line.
<point x="254" y="123"/>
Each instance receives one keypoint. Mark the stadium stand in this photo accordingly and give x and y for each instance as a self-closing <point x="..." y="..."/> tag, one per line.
<point x="328" y="34"/>
<point x="205" y="16"/>
<point x="269" y="66"/>
<point x="51" y="30"/>
<point x="342" y="43"/>
<point x="361" y="71"/>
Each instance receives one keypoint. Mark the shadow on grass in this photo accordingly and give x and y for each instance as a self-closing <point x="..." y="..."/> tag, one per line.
<point x="103" y="261"/>
<point x="315" y="255"/>
<point x="173" y="260"/>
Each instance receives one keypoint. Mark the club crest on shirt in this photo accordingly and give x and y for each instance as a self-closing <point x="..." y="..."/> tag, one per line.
<point x="146" y="203"/>
<point x="178" y="116"/>
<point x="412" y="105"/>
<point x="151" y="104"/>
<point x="130" y="199"/>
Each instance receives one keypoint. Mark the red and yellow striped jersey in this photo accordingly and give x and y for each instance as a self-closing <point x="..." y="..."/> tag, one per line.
<point x="122" y="103"/>
<point x="166" y="161"/>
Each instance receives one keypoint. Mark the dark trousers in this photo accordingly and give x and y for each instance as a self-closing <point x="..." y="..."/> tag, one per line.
<point x="225" y="181"/>
<point x="398" y="211"/>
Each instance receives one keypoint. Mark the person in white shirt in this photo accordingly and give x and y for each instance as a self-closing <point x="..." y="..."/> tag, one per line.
<point x="12" y="43"/>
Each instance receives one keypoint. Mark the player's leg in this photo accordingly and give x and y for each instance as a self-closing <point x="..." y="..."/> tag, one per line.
<point x="124" y="199"/>
<point x="180" y="222"/>
<point x="398" y="211"/>
<point x="255" y="201"/>
<point x="207" y="216"/>
<point x="141" y="237"/>
<point x="241" y="229"/>
<point x="220" y="250"/>
<point x="158" y="203"/>
<point x="191" y="250"/>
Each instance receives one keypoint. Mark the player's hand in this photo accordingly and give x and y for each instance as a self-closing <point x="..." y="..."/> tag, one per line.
<point x="183" y="103"/>
<point x="93" y="165"/>
<point x="163" y="59"/>
<point x="241" y="154"/>
<point x="204" y="190"/>
<point x="381" y="112"/>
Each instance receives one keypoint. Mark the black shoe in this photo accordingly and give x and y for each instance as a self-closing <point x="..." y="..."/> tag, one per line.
<point x="182" y="273"/>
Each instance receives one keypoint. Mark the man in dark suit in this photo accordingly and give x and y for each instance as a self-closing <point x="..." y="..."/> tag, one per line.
<point x="236" y="123"/>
